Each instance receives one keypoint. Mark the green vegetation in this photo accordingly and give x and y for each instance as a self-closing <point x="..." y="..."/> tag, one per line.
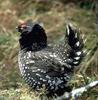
<point x="54" y="14"/>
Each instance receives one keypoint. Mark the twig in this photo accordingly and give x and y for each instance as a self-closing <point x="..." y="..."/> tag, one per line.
<point x="76" y="93"/>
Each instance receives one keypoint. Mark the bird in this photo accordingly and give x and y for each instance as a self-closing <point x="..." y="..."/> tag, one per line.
<point x="48" y="66"/>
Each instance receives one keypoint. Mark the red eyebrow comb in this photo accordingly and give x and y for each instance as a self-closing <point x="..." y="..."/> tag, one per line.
<point x="22" y="23"/>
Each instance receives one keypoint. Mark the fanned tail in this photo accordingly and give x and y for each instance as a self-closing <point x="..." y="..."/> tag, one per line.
<point x="75" y="54"/>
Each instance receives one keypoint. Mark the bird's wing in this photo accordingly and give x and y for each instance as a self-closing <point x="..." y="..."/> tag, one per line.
<point x="44" y="62"/>
<point x="50" y="61"/>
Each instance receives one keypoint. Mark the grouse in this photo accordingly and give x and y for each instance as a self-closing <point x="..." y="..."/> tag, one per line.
<point x="48" y="66"/>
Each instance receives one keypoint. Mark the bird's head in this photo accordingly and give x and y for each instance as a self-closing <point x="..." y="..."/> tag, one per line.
<point x="32" y="35"/>
<point x="25" y="27"/>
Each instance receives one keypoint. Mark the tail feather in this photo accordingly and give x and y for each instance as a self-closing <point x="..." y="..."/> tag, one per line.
<point x="76" y="44"/>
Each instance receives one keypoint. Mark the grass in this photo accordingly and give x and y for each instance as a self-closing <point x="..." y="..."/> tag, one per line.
<point x="53" y="17"/>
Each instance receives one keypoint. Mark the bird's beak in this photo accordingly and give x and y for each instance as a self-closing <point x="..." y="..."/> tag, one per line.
<point x="17" y="28"/>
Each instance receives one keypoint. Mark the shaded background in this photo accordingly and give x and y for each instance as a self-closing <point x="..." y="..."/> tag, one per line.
<point x="53" y="14"/>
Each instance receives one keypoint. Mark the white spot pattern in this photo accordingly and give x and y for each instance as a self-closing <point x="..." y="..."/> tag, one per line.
<point x="76" y="58"/>
<point x="78" y="53"/>
<point x="77" y="43"/>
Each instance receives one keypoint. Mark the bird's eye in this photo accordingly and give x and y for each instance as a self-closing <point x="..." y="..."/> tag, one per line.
<point x="24" y="26"/>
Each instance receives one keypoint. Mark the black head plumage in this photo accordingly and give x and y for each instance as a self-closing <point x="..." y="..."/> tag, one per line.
<point x="32" y="36"/>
